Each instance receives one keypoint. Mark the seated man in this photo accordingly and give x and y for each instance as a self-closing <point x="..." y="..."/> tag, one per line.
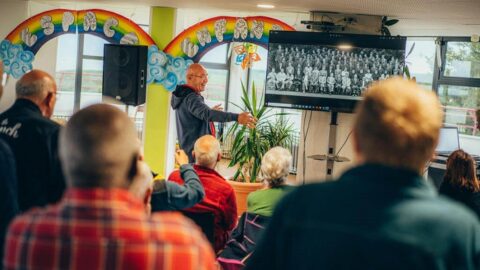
<point x="103" y="221"/>
<point x="219" y="195"/>
<point x="381" y="214"/>
<point x="168" y="195"/>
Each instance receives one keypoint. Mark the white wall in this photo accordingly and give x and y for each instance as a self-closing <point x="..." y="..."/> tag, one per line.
<point x="316" y="143"/>
<point x="12" y="13"/>
<point x="188" y="17"/>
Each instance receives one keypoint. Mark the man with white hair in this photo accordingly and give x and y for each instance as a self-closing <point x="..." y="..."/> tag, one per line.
<point x="33" y="138"/>
<point x="381" y="214"/>
<point x="219" y="195"/>
<point x="193" y="117"/>
<point x="103" y="220"/>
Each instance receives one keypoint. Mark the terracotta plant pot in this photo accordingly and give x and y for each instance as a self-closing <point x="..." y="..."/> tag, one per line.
<point x="242" y="190"/>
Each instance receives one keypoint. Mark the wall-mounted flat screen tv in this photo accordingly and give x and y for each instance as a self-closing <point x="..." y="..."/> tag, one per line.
<point x="325" y="71"/>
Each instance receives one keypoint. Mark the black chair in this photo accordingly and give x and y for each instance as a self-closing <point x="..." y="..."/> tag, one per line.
<point x="206" y="221"/>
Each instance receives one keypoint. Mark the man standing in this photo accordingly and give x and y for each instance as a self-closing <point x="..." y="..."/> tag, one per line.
<point x="381" y="214"/>
<point x="103" y="220"/>
<point x="193" y="117"/>
<point x="33" y="138"/>
<point x="219" y="195"/>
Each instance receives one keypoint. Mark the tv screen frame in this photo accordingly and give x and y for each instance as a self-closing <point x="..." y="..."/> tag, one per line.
<point x="335" y="69"/>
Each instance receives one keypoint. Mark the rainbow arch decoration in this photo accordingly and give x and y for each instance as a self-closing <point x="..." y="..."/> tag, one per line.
<point x="198" y="39"/>
<point x="18" y="49"/>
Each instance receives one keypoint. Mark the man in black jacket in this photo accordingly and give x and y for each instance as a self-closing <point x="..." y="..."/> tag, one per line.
<point x="381" y="214"/>
<point x="193" y="117"/>
<point x="8" y="182"/>
<point x="33" y="138"/>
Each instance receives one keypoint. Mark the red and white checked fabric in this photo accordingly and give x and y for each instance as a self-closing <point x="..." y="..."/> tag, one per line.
<point x="104" y="229"/>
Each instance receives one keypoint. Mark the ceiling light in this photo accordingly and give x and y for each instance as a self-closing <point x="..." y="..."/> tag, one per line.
<point x="265" y="6"/>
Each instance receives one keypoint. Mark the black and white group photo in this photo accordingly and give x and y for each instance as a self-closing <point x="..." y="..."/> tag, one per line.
<point x="329" y="70"/>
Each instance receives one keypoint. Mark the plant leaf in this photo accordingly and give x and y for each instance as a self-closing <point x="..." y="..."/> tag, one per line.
<point x="410" y="51"/>
<point x="390" y="22"/>
<point x="406" y="71"/>
<point x="254" y="100"/>
<point x="386" y="31"/>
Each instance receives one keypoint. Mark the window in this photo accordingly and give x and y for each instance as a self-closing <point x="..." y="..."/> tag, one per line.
<point x="65" y="75"/>
<point x="458" y="82"/>
<point x="462" y="60"/>
<point x="79" y="76"/>
<point x="421" y="60"/>
<point x="91" y="70"/>
<point x="216" y="63"/>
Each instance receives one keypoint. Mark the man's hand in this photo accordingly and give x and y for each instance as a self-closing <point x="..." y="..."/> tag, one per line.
<point x="246" y="119"/>
<point x="217" y="107"/>
<point x="180" y="157"/>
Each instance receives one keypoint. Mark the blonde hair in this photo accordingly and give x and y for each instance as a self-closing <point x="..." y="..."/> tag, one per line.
<point x="398" y="124"/>
<point x="276" y="166"/>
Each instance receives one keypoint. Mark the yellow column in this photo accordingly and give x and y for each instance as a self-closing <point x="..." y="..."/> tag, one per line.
<point x="162" y="23"/>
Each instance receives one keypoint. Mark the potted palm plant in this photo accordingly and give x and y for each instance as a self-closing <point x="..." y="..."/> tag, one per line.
<point x="249" y="145"/>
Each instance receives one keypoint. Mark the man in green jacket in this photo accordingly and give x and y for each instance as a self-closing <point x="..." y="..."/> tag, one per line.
<point x="381" y="214"/>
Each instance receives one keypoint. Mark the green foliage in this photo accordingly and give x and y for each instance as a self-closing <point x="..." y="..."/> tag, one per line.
<point x="249" y="145"/>
<point x="406" y="69"/>
<point x="385" y="24"/>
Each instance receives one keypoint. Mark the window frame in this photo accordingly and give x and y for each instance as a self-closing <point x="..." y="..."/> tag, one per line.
<point x="225" y="66"/>
<point x="439" y="77"/>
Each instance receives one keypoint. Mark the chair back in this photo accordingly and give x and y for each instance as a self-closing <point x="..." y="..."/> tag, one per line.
<point x="206" y="222"/>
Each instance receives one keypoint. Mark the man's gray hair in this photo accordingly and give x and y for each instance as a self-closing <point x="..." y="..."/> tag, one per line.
<point x="206" y="150"/>
<point x="37" y="88"/>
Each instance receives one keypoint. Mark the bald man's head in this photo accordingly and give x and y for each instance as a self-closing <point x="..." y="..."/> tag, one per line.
<point x="197" y="77"/>
<point x="39" y="87"/>
<point x="207" y="151"/>
<point x="99" y="148"/>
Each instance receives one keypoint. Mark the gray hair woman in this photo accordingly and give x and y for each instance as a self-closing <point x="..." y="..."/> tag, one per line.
<point x="275" y="169"/>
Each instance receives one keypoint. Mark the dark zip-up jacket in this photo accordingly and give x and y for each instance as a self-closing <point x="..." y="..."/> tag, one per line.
<point x="33" y="140"/>
<point x="373" y="217"/>
<point x="8" y="191"/>
<point x="193" y="117"/>
<point x="169" y="196"/>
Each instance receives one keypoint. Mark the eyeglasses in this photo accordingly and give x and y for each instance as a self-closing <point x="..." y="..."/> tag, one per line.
<point x="203" y="76"/>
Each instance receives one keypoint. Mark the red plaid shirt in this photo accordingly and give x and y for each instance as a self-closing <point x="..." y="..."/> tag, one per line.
<point x="219" y="199"/>
<point x="104" y="229"/>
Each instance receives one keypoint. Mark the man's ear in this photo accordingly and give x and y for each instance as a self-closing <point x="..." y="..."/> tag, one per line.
<point x="193" y="155"/>
<point x="48" y="105"/>
<point x="132" y="171"/>
<point x="147" y="200"/>
<point x="219" y="156"/>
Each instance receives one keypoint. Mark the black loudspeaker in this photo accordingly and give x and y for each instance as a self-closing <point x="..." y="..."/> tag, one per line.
<point x="125" y="73"/>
